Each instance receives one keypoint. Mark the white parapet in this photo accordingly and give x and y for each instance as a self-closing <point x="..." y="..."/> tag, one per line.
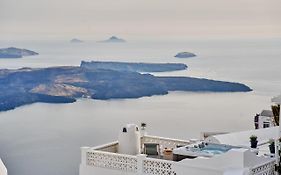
<point x="3" y="169"/>
<point x="106" y="163"/>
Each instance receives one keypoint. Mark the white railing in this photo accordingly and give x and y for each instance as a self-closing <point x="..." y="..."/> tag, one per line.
<point x="112" y="161"/>
<point x="158" y="167"/>
<point x="106" y="156"/>
<point x="264" y="169"/>
<point x="128" y="163"/>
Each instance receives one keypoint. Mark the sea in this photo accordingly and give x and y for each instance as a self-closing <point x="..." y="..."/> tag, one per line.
<point x="44" y="139"/>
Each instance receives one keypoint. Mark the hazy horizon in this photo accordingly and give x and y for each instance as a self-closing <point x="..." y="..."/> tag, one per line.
<point x="32" y="19"/>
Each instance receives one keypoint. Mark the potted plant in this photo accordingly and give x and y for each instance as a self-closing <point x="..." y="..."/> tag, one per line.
<point x="271" y="146"/>
<point x="143" y="126"/>
<point x="254" y="141"/>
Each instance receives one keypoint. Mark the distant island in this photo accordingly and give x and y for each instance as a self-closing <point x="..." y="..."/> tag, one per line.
<point x="75" y="40"/>
<point x="13" y="52"/>
<point x="66" y="84"/>
<point x="134" y="67"/>
<point x="185" y="55"/>
<point x="113" y="39"/>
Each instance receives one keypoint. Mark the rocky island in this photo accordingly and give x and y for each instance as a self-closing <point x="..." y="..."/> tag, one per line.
<point x="66" y="84"/>
<point x="114" y="39"/>
<point x="75" y="40"/>
<point x="185" y="55"/>
<point x="13" y="52"/>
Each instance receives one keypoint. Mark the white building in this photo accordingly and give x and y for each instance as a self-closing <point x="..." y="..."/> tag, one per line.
<point x="264" y="119"/>
<point x="153" y="155"/>
<point x="3" y="170"/>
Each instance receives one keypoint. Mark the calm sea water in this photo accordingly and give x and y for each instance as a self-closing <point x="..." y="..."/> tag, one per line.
<point x="45" y="138"/>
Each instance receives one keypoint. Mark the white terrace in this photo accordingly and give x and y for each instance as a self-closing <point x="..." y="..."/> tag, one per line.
<point x="106" y="156"/>
<point x="107" y="160"/>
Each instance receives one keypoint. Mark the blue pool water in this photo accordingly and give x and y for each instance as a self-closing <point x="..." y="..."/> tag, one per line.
<point x="216" y="148"/>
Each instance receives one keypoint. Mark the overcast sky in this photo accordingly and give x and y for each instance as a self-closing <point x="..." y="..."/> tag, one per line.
<point x="139" y="18"/>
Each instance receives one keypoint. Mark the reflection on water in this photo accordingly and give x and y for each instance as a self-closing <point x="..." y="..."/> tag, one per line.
<point x="45" y="138"/>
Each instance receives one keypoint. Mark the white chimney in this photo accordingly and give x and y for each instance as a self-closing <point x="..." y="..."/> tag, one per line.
<point x="129" y="140"/>
<point x="143" y="129"/>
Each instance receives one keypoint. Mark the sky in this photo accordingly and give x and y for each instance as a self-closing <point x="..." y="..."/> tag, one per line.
<point x="139" y="18"/>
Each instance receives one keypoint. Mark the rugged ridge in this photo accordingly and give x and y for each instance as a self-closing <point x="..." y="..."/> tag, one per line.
<point x="134" y="67"/>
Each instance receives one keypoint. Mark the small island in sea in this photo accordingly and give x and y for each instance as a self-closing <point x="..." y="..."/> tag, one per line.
<point x="185" y="55"/>
<point x="13" y="52"/>
<point x="75" y="40"/>
<point x="66" y="84"/>
<point x="114" y="39"/>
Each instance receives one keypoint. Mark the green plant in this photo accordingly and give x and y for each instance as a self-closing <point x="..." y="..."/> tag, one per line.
<point x="253" y="138"/>
<point x="254" y="141"/>
<point x="143" y="125"/>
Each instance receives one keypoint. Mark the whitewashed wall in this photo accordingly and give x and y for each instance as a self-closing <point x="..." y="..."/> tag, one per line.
<point x="263" y="119"/>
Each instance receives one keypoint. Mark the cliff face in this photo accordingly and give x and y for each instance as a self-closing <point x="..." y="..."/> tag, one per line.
<point x="65" y="84"/>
